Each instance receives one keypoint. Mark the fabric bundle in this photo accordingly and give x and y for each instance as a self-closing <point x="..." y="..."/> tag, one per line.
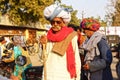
<point x="55" y="10"/>
<point x="90" y="24"/>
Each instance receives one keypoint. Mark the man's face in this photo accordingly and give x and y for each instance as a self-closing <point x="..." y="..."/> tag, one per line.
<point x="88" y="32"/>
<point x="57" y="23"/>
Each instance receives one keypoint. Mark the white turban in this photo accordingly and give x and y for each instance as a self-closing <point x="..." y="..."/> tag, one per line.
<point x="54" y="10"/>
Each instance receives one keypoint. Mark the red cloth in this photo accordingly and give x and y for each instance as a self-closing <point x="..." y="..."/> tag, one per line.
<point x="71" y="61"/>
<point x="61" y="35"/>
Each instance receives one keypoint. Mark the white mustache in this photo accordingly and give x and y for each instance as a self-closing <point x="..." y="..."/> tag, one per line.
<point x="58" y="27"/>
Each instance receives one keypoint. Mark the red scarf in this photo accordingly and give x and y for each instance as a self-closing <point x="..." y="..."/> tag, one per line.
<point x="61" y="35"/>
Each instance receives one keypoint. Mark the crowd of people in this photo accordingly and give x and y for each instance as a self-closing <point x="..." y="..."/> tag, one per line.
<point x="71" y="57"/>
<point x="15" y="57"/>
<point x="70" y="54"/>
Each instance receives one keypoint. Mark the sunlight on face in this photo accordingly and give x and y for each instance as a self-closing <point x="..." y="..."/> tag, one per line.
<point x="57" y="23"/>
<point x="88" y="33"/>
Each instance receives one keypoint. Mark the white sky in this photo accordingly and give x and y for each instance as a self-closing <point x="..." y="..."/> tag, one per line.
<point x="88" y="7"/>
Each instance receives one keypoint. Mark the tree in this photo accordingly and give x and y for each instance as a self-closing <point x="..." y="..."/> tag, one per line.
<point x="22" y="12"/>
<point x="74" y="19"/>
<point x="116" y="18"/>
<point x="113" y="10"/>
<point x="117" y="6"/>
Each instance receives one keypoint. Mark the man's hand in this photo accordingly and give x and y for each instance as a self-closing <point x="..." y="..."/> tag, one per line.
<point x="86" y="67"/>
<point x="43" y="39"/>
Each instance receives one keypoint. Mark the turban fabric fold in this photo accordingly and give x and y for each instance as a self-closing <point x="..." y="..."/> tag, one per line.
<point x="90" y="24"/>
<point x="54" y="10"/>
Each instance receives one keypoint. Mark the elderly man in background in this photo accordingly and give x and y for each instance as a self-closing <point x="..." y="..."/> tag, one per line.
<point x="98" y="56"/>
<point x="63" y="61"/>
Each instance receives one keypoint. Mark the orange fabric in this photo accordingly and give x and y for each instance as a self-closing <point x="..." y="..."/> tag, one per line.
<point x="14" y="77"/>
<point x="3" y="42"/>
<point x="81" y="39"/>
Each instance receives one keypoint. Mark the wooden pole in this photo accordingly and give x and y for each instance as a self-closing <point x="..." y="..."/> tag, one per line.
<point x="44" y="61"/>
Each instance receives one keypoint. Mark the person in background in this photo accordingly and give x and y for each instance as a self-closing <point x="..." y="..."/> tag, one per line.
<point x="22" y="61"/>
<point x="118" y="51"/>
<point x="7" y="58"/>
<point x="2" y="46"/>
<point x="98" y="56"/>
<point x="81" y="36"/>
<point x="117" y="56"/>
<point x="36" y="46"/>
<point x="81" y="39"/>
<point x="63" y="61"/>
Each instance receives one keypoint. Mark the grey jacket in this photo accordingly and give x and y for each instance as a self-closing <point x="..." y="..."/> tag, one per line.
<point x="100" y="65"/>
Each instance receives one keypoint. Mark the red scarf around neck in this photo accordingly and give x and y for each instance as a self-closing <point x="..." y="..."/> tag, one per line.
<point x="61" y="35"/>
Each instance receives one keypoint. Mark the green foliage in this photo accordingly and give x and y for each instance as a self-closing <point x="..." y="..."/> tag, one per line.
<point x="116" y="16"/>
<point x="25" y="12"/>
<point x="103" y="23"/>
<point x="22" y="12"/>
<point x="74" y="19"/>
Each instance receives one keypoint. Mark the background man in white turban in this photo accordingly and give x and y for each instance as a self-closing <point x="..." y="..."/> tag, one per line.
<point x="63" y="61"/>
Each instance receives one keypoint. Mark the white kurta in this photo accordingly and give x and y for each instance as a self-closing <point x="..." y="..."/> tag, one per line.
<point x="56" y="65"/>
